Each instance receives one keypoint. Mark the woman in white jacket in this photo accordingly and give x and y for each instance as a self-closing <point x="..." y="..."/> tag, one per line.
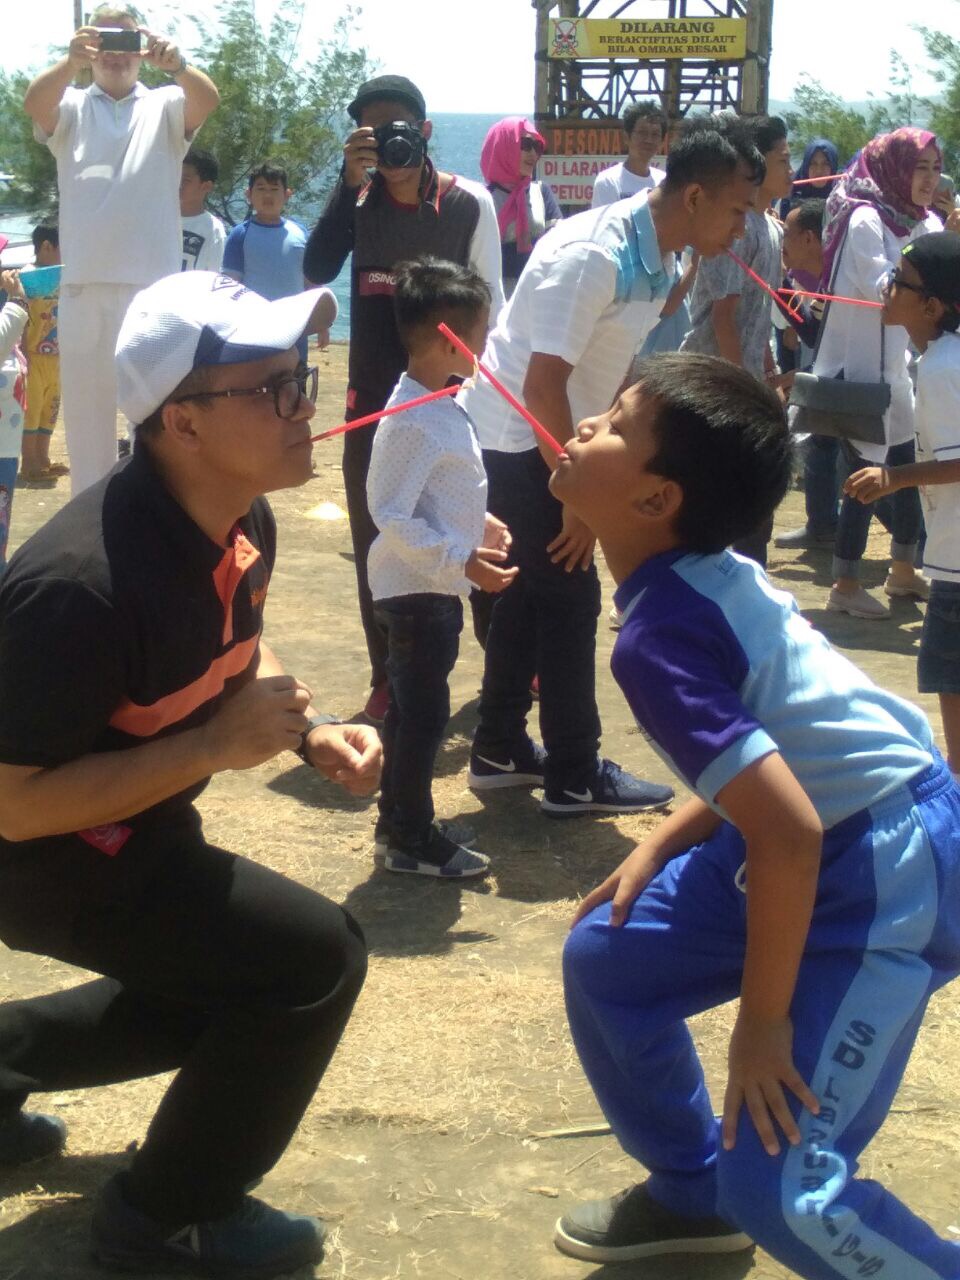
<point x="882" y="202"/>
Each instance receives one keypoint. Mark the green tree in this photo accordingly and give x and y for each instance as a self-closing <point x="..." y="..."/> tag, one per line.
<point x="277" y="100"/>
<point x="818" y="113"/>
<point x="33" y="167"/>
<point x="944" y="53"/>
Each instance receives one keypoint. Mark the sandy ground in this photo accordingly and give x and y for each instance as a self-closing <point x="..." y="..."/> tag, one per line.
<point x="428" y="1147"/>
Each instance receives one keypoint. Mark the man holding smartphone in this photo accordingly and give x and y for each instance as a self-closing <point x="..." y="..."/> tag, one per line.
<point x="119" y="148"/>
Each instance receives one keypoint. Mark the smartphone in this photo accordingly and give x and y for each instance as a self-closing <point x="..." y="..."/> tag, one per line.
<point x="947" y="188"/>
<point x="119" y="40"/>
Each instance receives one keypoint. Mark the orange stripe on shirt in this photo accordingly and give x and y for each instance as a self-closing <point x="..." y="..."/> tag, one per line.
<point x="145" y="722"/>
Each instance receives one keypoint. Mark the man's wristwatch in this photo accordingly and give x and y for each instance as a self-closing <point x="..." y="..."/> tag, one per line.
<point x="313" y="723"/>
<point x="179" y="70"/>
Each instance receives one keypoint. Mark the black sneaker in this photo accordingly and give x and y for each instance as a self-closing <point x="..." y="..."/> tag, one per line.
<point x="455" y="830"/>
<point x="798" y="539"/>
<point x="523" y="767"/>
<point x="632" y="1225"/>
<point x="437" y="856"/>
<point x="29" y="1136"/>
<point x="610" y="790"/>
<point x="254" y="1243"/>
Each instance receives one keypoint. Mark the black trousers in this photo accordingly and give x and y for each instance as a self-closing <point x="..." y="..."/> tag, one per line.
<point x="545" y="624"/>
<point x="238" y="978"/>
<point x="357" y="447"/>
<point x="423" y="636"/>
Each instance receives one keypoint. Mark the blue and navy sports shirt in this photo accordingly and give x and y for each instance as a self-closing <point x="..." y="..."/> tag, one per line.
<point x="720" y="669"/>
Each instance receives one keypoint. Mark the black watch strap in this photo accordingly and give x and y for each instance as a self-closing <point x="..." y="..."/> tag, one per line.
<point x="313" y="723"/>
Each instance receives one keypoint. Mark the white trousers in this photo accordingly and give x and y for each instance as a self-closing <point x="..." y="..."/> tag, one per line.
<point x="88" y="323"/>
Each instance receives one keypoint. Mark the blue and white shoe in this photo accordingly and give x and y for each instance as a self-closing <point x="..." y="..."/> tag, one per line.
<point x="610" y="790"/>
<point x="254" y="1243"/>
<point x="438" y="856"/>
<point x="30" y="1135"/>
<point x="523" y="767"/>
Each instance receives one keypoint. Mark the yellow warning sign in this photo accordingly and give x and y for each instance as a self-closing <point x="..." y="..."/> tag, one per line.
<point x="719" y="39"/>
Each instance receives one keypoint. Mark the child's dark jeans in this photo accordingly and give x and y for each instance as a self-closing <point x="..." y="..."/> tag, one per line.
<point x="423" y="638"/>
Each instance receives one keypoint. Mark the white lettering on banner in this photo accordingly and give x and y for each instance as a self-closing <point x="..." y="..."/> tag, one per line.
<point x="570" y="178"/>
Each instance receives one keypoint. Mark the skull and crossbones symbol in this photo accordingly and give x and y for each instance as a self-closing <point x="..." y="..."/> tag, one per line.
<point x="565" y="38"/>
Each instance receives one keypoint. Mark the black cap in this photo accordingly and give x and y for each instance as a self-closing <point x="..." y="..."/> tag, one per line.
<point x="936" y="259"/>
<point x="387" y="88"/>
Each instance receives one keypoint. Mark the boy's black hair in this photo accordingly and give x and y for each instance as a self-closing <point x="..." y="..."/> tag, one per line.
<point x="709" y="149"/>
<point x="205" y="163"/>
<point x="429" y="290"/>
<point x="45" y="231"/>
<point x="269" y="171"/>
<point x="810" y="216"/>
<point x="643" y="111"/>
<point x="722" y="436"/>
<point x="767" y="132"/>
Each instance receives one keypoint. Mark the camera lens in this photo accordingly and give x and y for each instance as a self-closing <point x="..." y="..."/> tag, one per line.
<point x="397" y="153"/>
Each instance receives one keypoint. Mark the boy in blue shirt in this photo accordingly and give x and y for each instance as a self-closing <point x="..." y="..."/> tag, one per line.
<point x="266" y="251"/>
<point x="815" y="873"/>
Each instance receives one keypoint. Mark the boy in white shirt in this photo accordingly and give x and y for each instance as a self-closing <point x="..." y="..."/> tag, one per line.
<point x="645" y="130"/>
<point x="427" y="493"/>
<point x="923" y="295"/>
<point x="203" y="233"/>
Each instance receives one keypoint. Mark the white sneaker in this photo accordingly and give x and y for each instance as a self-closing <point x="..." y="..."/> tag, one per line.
<point x="615" y="617"/>
<point x="917" y="587"/>
<point x="859" y="604"/>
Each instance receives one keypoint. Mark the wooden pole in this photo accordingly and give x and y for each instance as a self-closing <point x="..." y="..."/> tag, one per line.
<point x="77" y="14"/>
<point x="753" y="96"/>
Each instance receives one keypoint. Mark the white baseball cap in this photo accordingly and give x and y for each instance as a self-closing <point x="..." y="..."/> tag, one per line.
<point x="197" y="318"/>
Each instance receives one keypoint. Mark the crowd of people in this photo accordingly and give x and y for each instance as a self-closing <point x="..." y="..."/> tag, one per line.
<point x="654" y="358"/>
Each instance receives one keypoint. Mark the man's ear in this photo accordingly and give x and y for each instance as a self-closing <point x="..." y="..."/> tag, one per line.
<point x="179" y="424"/>
<point x="692" y="197"/>
<point x="934" y="310"/>
<point x="427" y="130"/>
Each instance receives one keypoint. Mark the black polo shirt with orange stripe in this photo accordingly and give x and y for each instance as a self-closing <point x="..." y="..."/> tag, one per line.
<point x="121" y="622"/>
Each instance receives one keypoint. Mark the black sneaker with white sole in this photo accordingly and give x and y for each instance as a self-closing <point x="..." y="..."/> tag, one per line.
<point x="610" y="790"/>
<point x="631" y="1225"/>
<point x="437" y="856"/>
<point x="455" y="830"/>
<point x="520" y="767"/>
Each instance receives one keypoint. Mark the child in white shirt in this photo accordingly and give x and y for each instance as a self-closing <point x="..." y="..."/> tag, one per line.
<point x="923" y="295"/>
<point x="427" y="493"/>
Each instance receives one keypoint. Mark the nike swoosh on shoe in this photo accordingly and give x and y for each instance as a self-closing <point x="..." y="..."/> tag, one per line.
<point x="585" y="797"/>
<point x="509" y="767"/>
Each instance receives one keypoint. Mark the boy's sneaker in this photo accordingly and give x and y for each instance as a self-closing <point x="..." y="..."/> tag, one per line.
<point x="437" y="856"/>
<point x="632" y="1225"/>
<point x="523" y="767"/>
<point x="455" y="830"/>
<point x="610" y="790"/>
<point x="29" y="1136"/>
<point x="254" y="1243"/>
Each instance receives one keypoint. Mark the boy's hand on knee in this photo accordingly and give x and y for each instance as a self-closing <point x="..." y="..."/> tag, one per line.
<point x="623" y="886"/>
<point x="760" y="1065"/>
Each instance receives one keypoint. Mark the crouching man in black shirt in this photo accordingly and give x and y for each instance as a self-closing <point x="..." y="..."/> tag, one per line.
<point x="141" y="603"/>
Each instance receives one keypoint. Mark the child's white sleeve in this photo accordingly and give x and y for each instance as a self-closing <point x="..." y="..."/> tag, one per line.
<point x="404" y="456"/>
<point x="13" y="321"/>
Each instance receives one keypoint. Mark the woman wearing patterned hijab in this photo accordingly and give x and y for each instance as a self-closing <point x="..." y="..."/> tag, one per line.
<point x="881" y="203"/>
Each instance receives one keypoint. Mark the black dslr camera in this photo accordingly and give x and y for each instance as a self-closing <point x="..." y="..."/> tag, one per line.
<point x="400" y="145"/>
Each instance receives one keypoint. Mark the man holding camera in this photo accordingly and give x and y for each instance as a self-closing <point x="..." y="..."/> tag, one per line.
<point x="119" y="148"/>
<point x="389" y="205"/>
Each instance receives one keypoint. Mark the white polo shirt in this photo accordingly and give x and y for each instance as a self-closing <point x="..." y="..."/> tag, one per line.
<point x="937" y="419"/>
<point x="118" y="169"/>
<point x="593" y="289"/>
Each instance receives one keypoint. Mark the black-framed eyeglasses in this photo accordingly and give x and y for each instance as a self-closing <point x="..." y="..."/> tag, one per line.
<point x="287" y="391"/>
<point x="530" y="144"/>
<point x="894" y="280"/>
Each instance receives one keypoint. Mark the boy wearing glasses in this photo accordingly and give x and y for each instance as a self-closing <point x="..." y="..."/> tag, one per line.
<point x="923" y="295"/>
<point x="143" y="598"/>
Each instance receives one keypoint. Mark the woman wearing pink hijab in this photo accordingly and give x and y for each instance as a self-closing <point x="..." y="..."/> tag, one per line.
<point x="525" y="207"/>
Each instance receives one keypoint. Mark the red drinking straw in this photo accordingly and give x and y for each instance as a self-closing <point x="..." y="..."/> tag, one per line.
<point x="830" y="177"/>
<point x="766" y="288"/>
<point x="538" y="427"/>
<point x="831" y="297"/>
<point x="385" y="413"/>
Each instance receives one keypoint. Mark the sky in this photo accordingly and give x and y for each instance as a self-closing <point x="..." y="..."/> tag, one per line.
<point x="480" y="58"/>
